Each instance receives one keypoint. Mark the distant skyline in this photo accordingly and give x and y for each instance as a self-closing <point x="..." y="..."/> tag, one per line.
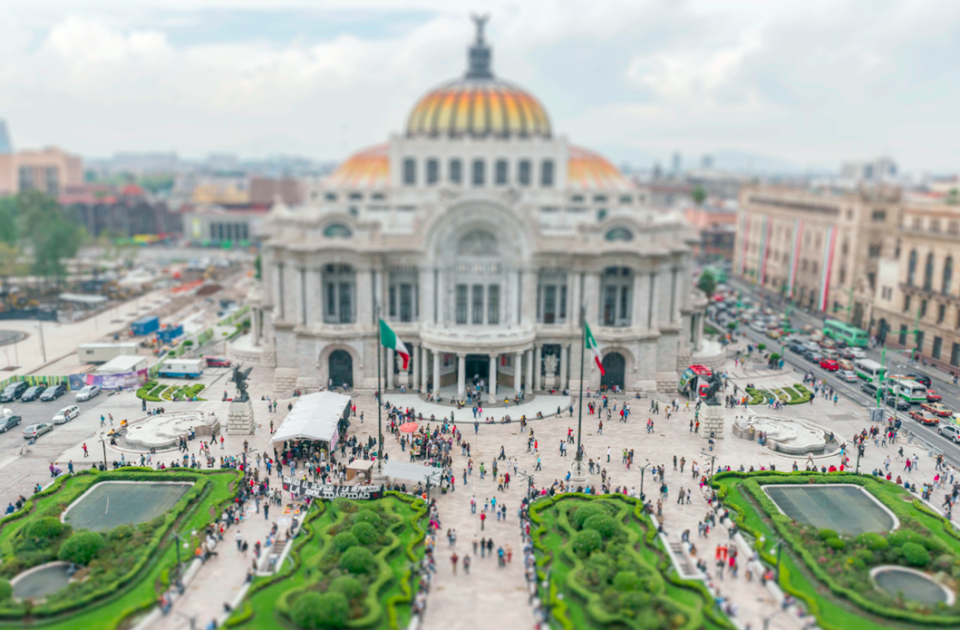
<point x="808" y="84"/>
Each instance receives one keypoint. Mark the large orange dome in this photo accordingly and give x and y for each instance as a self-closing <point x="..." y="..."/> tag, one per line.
<point x="479" y="104"/>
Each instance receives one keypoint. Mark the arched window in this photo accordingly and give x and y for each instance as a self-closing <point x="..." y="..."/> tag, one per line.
<point x="501" y="174"/>
<point x="619" y="234"/>
<point x="337" y="230"/>
<point x="912" y="268"/>
<point x="433" y="171"/>
<point x="456" y="171"/>
<point x="947" y="275"/>
<point x="928" y="273"/>
<point x="546" y="173"/>
<point x="523" y="172"/>
<point x="409" y="172"/>
<point x="479" y="174"/>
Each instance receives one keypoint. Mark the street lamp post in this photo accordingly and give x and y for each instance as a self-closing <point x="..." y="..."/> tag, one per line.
<point x="643" y="498"/>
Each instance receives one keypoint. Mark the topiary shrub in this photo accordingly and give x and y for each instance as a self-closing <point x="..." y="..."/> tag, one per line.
<point x="365" y="533"/>
<point x="367" y="516"/>
<point x="6" y="591"/>
<point x="625" y="581"/>
<point x="120" y="532"/>
<point x="835" y="543"/>
<point x="349" y="586"/>
<point x="45" y="528"/>
<point x="873" y="541"/>
<point x="82" y="547"/>
<point x="344" y="541"/>
<point x="826" y="534"/>
<point x="585" y="511"/>
<point x="602" y="524"/>
<point x="915" y="555"/>
<point x="586" y="542"/>
<point x="359" y="560"/>
<point x="314" y="611"/>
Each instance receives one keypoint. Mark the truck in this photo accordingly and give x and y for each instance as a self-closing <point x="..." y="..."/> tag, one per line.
<point x="145" y="325"/>
<point x="181" y="368"/>
<point x="103" y="352"/>
<point x="168" y="334"/>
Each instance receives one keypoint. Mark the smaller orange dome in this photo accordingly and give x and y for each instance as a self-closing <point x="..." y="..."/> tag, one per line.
<point x="369" y="168"/>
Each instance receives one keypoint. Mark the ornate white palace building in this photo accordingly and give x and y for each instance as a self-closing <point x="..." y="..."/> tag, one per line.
<point x="479" y="233"/>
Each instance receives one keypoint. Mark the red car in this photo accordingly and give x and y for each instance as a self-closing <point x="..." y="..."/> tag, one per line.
<point x="933" y="396"/>
<point x="215" y="362"/>
<point x="924" y="417"/>
<point x="830" y="365"/>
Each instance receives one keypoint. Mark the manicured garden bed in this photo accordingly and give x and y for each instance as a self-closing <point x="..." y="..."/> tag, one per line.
<point x="155" y="392"/>
<point x="604" y="557"/>
<point x="352" y="566"/>
<point x="122" y="567"/>
<point x="795" y="395"/>
<point x="830" y="570"/>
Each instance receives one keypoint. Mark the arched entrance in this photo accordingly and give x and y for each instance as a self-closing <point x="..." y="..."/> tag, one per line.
<point x="614" y="370"/>
<point x="341" y="368"/>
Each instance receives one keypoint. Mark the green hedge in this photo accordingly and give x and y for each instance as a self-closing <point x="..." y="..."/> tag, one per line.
<point x="831" y="615"/>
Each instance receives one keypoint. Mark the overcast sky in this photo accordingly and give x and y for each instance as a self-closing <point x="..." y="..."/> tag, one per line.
<point x="811" y="83"/>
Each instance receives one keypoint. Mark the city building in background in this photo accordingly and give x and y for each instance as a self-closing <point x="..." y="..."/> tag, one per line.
<point x="477" y="233"/>
<point x="6" y="146"/>
<point x="716" y="222"/>
<point x="917" y="303"/>
<point x="48" y="170"/>
<point x="818" y="248"/>
<point x="119" y="211"/>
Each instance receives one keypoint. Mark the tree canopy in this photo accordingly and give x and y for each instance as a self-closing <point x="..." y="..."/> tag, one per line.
<point x="707" y="283"/>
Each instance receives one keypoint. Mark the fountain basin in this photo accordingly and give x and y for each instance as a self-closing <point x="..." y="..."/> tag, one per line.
<point x="914" y="585"/>
<point x="40" y="581"/>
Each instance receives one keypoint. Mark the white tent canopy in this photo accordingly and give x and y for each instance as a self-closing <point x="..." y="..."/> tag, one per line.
<point x="313" y="417"/>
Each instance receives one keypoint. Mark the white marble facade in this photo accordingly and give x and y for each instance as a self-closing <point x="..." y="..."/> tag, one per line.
<point x="479" y="237"/>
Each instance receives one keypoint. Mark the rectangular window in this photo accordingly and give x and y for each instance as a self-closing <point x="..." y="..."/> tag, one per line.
<point x="955" y="355"/>
<point x="563" y="302"/>
<point x="409" y="171"/>
<point x="345" y="302"/>
<point x="903" y="335"/>
<point x="523" y="173"/>
<point x="610" y="306"/>
<point x="937" y="348"/>
<point x="392" y="302"/>
<point x="478" y="172"/>
<point x="456" y="173"/>
<point x="433" y="172"/>
<point x="879" y="215"/>
<point x="549" y="304"/>
<point x="546" y="173"/>
<point x="476" y="303"/>
<point x="923" y="308"/>
<point x="406" y="303"/>
<point x="501" y="173"/>
<point x="919" y="341"/>
<point x="331" y="299"/>
<point x="906" y="303"/>
<point x="624" y="303"/>
<point x="461" y="304"/>
<point x="941" y="313"/>
<point x="493" y="304"/>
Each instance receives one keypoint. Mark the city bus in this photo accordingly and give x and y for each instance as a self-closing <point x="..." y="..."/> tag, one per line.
<point x="850" y="335"/>
<point x="870" y="371"/>
<point x="909" y="390"/>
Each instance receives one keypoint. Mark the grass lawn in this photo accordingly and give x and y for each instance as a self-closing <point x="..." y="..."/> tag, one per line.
<point x="312" y="566"/>
<point x="611" y="568"/>
<point x="113" y="605"/>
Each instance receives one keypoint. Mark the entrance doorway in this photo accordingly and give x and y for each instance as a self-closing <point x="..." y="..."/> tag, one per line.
<point x="477" y="366"/>
<point x="614" y="370"/>
<point x="341" y="368"/>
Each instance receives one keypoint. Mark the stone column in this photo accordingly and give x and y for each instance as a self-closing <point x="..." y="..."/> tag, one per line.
<point x="461" y="375"/>
<point x="415" y="358"/>
<point x="528" y="383"/>
<point x="390" y="366"/>
<point x="492" y="394"/>
<point x="425" y="367"/>
<point x="653" y="307"/>
<point x="517" y="370"/>
<point x="537" y="369"/>
<point x="573" y="308"/>
<point x="638" y="313"/>
<point x="564" y="360"/>
<point x="436" y="372"/>
<point x="700" y="318"/>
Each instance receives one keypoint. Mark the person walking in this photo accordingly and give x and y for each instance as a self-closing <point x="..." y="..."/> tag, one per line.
<point x="454" y="559"/>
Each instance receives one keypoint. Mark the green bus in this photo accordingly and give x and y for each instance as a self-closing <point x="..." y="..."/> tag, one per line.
<point x="850" y="335"/>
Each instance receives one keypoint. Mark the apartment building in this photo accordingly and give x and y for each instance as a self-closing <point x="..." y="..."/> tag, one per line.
<point x="48" y="170"/>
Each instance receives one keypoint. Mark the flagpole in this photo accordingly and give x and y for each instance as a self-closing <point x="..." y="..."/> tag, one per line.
<point x="379" y="396"/>
<point x="583" y="351"/>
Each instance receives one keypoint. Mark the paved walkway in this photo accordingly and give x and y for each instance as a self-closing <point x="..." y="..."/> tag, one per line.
<point x="543" y="403"/>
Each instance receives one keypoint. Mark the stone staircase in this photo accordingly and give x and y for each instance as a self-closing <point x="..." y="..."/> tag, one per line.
<point x="688" y="570"/>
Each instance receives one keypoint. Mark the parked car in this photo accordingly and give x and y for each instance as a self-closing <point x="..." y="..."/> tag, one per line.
<point x="215" y="362"/>
<point x="32" y="393"/>
<point x="53" y="392"/>
<point x="813" y="357"/>
<point x="13" y="391"/>
<point x="920" y="378"/>
<point x="847" y="375"/>
<point x="933" y="396"/>
<point x="66" y="414"/>
<point x="949" y="431"/>
<point x="898" y="403"/>
<point x="938" y="409"/>
<point x="924" y="418"/>
<point x="797" y="348"/>
<point x="36" y="430"/>
<point x="829" y="365"/>
<point x="88" y="392"/>
<point x="8" y="422"/>
<point x="773" y="334"/>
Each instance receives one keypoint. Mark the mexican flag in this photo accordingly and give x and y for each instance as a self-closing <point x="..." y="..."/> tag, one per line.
<point x="389" y="339"/>
<point x="594" y="348"/>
